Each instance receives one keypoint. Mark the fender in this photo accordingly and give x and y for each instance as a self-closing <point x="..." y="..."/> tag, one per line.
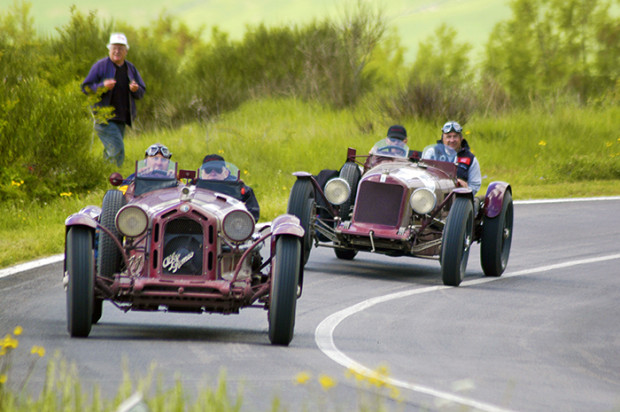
<point x="494" y="199"/>
<point x="286" y="224"/>
<point x="81" y="219"/>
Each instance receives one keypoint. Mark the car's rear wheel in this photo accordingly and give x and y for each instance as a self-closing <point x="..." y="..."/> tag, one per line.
<point x="283" y="295"/>
<point x="80" y="289"/>
<point x="496" y="239"/>
<point x="456" y="241"/>
<point x="301" y="204"/>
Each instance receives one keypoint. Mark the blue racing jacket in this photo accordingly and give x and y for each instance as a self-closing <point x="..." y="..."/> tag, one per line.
<point x="106" y="69"/>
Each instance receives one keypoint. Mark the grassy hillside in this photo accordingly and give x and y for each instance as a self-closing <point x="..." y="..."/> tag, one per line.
<point x="413" y="20"/>
<point x="270" y="139"/>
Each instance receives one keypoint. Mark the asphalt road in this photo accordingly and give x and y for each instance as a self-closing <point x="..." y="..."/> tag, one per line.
<point x="545" y="336"/>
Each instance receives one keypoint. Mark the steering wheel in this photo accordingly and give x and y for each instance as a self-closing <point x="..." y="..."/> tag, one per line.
<point x="392" y="150"/>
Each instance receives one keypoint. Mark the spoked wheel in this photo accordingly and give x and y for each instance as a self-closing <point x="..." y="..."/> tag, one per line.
<point x="301" y="204"/>
<point x="351" y="173"/>
<point x="456" y="241"/>
<point x="80" y="289"/>
<point x="108" y="255"/>
<point x="496" y="239"/>
<point x="283" y="295"/>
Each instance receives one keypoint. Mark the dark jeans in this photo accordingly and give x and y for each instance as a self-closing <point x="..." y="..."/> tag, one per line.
<point x="111" y="135"/>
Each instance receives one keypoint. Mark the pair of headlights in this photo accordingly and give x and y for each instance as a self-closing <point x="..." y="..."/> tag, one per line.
<point x="422" y="200"/>
<point x="132" y="221"/>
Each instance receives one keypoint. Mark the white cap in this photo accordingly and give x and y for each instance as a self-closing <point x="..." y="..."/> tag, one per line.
<point x="118" y="38"/>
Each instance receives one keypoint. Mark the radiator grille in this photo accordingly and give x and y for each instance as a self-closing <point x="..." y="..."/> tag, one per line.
<point x="182" y="238"/>
<point x="378" y="203"/>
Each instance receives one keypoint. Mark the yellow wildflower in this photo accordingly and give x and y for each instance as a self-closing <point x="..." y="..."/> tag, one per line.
<point x="542" y="143"/>
<point x="38" y="350"/>
<point x="302" y="378"/>
<point x="65" y="194"/>
<point x="17" y="183"/>
<point x="467" y="132"/>
<point x="245" y="172"/>
<point x="18" y="330"/>
<point x="609" y="144"/>
<point x="3" y="378"/>
<point x="327" y="382"/>
<point x="221" y="151"/>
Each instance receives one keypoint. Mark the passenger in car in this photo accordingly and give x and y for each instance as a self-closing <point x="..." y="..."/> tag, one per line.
<point x="468" y="172"/>
<point x="394" y="144"/>
<point x="214" y="168"/>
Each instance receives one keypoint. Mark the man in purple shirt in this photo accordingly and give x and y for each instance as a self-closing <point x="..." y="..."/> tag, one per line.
<point x="120" y="84"/>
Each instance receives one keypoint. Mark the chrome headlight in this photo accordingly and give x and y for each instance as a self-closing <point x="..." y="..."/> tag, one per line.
<point x="238" y="225"/>
<point x="423" y="200"/>
<point x="131" y="221"/>
<point x="337" y="191"/>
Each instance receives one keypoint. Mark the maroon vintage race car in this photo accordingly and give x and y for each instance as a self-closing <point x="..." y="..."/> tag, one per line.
<point x="398" y="203"/>
<point x="173" y="241"/>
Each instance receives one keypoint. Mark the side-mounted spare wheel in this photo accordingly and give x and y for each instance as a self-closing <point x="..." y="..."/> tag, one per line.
<point x="108" y="255"/>
<point x="301" y="204"/>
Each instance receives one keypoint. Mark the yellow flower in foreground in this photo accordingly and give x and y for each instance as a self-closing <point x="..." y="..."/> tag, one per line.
<point x="542" y="143"/>
<point x="327" y="382"/>
<point x="65" y="194"/>
<point x="467" y="132"/>
<point x="38" y="350"/>
<point x="9" y="342"/>
<point x="302" y="378"/>
<point x="221" y="151"/>
<point x="18" y="330"/>
<point x="17" y="183"/>
<point x="3" y="379"/>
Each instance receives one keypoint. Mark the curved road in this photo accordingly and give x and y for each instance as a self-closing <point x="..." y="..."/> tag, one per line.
<point x="545" y="336"/>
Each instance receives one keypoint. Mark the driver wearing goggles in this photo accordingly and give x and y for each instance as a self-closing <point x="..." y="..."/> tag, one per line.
<point x="468" y="172"/>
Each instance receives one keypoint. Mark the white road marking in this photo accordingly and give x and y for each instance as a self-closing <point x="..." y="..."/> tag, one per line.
<point x="324" y="332"/>
<point x="30" y="265"/>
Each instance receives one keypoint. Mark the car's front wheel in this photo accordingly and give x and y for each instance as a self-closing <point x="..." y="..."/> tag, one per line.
<point x="456" y="241"/>
<point x="496" y="239"/>
<point x="283" y="294"/>
<point x="80" y="289"/>
<point x="301" y="204"/>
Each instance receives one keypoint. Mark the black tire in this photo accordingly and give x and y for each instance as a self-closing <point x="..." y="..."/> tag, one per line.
<point x="283" y="295"/>
<point x="301" y="204"/>
<point x="456" y="241"/>
<point x="108" y="255"/>
<point x="496" y="239"/>
<point x="352" y="175"/>
<point x="345" y="254"/>
<point x="97" y="310"/>
<point x="80" y="266"/>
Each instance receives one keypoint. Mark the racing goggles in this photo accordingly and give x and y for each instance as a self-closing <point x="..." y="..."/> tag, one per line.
<point x="451" y="126"/>
<point x="154" y="149"/>
<point x="211" y="169"/>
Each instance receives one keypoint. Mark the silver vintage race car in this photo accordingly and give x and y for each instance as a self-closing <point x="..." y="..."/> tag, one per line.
<point x="402" y="204"/>
<point x="176" y="242"/>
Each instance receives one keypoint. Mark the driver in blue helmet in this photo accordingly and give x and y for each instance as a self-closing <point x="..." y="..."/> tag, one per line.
<point x="394" y="144"/>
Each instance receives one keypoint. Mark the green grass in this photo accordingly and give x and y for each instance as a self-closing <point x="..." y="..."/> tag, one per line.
<point x="271" y="139"/>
